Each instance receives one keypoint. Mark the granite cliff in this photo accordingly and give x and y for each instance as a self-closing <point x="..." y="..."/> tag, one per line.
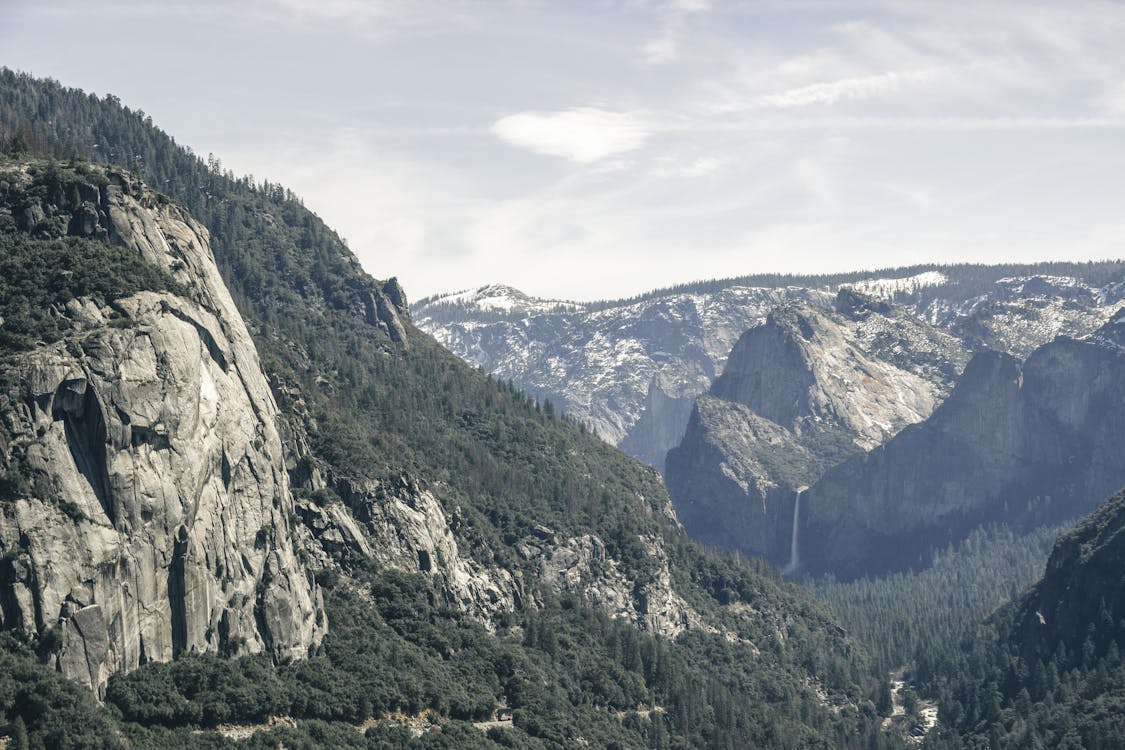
<point x="146" y="511"/>
<point x="1019" y="442"/>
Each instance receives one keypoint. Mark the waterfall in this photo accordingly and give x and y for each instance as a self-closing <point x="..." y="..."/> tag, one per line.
<point x="794" y="551"/>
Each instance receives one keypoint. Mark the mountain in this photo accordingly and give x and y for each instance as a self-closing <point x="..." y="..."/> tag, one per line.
<point x="631" y="368"/>
<point x="1021" y="443"/>
<point x="800" y="393"/>
<point x="489" y="569"/>
<point x="1046" y="671"/>
<point x="147" y="506"/>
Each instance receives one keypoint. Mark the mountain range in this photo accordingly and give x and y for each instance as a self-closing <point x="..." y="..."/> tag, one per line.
<point x="825" y="369"/>
<point x="631" y="368"/>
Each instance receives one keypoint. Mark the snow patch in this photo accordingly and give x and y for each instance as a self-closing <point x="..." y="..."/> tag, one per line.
<point x="503" y="298"/>
<point x="888" y="288"/>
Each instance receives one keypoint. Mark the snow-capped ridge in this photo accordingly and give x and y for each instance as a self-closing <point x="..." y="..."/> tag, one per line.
<point x="501" y="298"/>
<point x="887" y="288"/>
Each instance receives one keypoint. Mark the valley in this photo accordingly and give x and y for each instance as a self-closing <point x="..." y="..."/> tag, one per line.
<point x="250" y="496"/>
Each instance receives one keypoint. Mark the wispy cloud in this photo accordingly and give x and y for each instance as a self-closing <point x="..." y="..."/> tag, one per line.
<point x="584" y="134"/>
<point x="857" y="88"/>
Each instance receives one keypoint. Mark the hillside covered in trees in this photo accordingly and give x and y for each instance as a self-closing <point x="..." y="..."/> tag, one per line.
<point x="1046" y="671"/>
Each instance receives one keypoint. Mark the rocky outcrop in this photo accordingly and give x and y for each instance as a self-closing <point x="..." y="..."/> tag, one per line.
<point x="805" y="368"/>
<point x="402" y="525"/>
<point x="798" y="394"/>
<point x="580" y="565"/>
<point x="406" y="527"/>
<point x="1020" y="443"/>
<point x="154" y="518"/>
<point x="385" y="308"/>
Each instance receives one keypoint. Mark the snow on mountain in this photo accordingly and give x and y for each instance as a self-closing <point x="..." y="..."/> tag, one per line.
<point x="498" y="297"/>
<point x="884" y="288"/>
<point x="631" y="369"/>
<point x="605" y="366"/>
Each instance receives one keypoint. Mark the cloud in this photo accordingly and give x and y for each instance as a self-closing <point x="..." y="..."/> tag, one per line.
<point x="916" y="124"/>
<point x="584" y="134"/>
<point x="662" y="48"/>
<point x="858" y="88"/>
<point x="337" y="9"/>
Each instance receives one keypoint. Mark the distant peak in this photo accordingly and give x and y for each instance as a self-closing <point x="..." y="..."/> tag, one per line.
<point x="500" y="298"/>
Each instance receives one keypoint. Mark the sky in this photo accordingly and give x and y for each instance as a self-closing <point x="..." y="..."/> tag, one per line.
<point x="592" y="150"/>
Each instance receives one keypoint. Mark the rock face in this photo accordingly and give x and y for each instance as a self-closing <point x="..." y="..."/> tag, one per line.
<point x="799" y="393"/>
<point x="1023" y="443"/>
<point x="580" y="565"/>
<point x="383" y="308"/>
<point x="631" y="368"/>
<point x="157" y="519"/>
<point x="403" y="526"/>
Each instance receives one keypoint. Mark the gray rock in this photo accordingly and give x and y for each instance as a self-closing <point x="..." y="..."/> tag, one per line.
<point x="381" y="312"/>
<point x="30" y="217"/>
<point x="84" y="221"/>
<point x="159" y="519"/>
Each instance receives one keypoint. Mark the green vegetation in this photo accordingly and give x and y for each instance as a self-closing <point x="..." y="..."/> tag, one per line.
<point x="44" y="709"/>
<point x="41" y="269"/>
<point x="568" y="672"/>
<point x="1047" y="670"/>
<point x="33" y="282"/>
<point x="917" y="618"/>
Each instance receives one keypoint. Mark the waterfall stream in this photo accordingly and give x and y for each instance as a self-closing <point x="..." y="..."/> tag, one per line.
<point x="794" y="550"/>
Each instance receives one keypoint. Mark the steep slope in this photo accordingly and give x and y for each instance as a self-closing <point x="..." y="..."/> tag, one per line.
<point x="1019" y="443"/>
<point x="1081" y="587"/>
<point x="798" y="394"/>
<point x="146" y="508"/>
<point x="1047" y="670"/>
<point x="477" y="551"/>
<point x="630" y="368"/>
